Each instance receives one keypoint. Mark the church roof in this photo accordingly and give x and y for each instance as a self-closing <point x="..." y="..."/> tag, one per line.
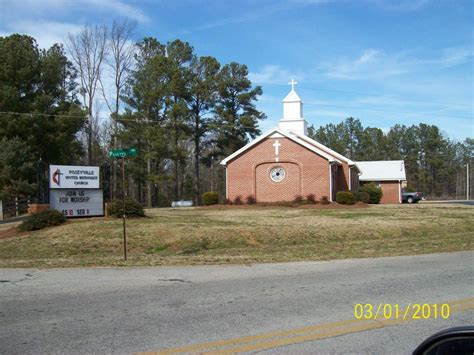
<point x="288" y="135"/>
<point x="292" y="97"/>
<point x="326" y="149"/>
<point x="382" y="170"/>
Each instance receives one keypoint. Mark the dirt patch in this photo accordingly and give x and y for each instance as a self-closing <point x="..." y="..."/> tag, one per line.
<point x="11" y="232"/>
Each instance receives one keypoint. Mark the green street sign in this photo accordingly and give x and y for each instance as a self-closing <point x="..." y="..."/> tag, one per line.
<point x="123" y="153"/>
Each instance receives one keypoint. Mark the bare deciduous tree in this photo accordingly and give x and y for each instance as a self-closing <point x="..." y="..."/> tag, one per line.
<point x="88" y="50"/>
<point x="120" y="61"/>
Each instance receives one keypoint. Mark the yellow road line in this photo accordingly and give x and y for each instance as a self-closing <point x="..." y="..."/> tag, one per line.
<point x="282" y="342"/>
<point x="250" y="338"/>
<point x="298" y="335"/>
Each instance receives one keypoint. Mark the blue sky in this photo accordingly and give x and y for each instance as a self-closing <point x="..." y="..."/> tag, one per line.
<point x="384" y="62"/>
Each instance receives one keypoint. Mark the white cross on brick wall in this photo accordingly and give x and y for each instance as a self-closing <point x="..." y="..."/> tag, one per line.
<point x="277" y="146"/>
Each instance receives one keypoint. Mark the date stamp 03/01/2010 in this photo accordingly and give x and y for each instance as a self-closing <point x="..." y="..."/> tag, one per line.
<point x="389" y="311"/>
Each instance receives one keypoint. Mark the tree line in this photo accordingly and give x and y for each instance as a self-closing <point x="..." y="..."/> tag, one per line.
<point x="434" y="164"/>
<point x="183" y="112"/>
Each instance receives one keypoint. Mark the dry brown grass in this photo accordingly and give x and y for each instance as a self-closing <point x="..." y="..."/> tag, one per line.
<point x="245" y="235"/>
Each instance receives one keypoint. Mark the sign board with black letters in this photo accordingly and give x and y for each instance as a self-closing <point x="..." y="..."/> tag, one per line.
<point x="74" y="177"/>
<point x="77" y="203"/>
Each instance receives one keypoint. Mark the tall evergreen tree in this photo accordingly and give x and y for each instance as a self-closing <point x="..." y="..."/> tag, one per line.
<point x="201" y="101"/>
<point x="236" y="115"/>
<point x="38" y="88"/>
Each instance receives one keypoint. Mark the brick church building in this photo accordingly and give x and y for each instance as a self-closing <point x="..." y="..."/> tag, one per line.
<point x="285" y="163"/>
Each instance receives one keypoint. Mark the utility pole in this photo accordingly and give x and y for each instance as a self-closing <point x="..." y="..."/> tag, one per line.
<point x="467" y="181"/>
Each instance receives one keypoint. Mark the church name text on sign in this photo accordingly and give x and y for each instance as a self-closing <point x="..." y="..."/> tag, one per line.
<point x="66" y="177"/>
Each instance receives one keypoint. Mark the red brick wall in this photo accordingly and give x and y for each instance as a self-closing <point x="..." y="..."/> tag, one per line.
<point x="269" y="191"/>
<point x="391" y="191"/>
<point x="249" y="173"/>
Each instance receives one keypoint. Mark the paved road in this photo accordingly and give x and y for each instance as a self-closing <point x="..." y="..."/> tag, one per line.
<point x="271" y="307"/>
<point x="460" y="202"/>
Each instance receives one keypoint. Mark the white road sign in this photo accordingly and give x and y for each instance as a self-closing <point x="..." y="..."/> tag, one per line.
<point x="77" y="203"/>
<point x="74" y="177"/>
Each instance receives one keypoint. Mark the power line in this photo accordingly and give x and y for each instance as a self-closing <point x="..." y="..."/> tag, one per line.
<point x="108" y="118"/>
<point x="308" y="103"/>
<point x="391" y="111"/>
<point x="383" y="110"/>
<point x="371" y="94"/>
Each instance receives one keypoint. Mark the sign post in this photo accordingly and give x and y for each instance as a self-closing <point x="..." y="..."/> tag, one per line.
<point x="123" y="153"/>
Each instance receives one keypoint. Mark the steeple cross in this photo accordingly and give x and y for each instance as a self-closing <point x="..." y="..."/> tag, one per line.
<point x="277" y="145"/>
<point x="292" y="83"/>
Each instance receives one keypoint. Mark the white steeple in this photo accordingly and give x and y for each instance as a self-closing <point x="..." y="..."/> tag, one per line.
<point x="293" y="120"/>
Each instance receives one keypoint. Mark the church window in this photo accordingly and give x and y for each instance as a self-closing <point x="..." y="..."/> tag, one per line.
<point x="277" y="174"/>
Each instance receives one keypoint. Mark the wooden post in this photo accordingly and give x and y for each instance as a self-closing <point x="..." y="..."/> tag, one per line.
<point x="1" y="210"/>
<point x="17" y="212"/>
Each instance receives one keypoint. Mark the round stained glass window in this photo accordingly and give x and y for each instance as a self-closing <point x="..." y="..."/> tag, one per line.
<point x="277" y="174"/>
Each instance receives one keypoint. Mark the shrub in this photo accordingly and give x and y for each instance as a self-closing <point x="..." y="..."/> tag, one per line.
<point x="355" y="195"/>
<point x="324" y="200"/>
<point x="311" y="198"/>
<point x="250" y="200"/>
<point x="228" y="201"/>
<point x="238" y="200"/>
<point x="374" y="192"/>
<point x="210" y="198"/>
<point x="132" y="208"/>
<point x="43" y="219"/>
<point x="298" y="198"/>
<point x="345" y="198"/>
<point x="364" y="197"/>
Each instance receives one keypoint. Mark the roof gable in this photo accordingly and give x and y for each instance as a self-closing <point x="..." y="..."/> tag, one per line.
<point x="326" y="149"/>
<point x="293" y="137"/>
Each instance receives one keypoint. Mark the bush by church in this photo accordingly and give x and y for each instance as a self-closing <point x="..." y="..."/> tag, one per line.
<point x="375" y="193"/>
<point x="238" y="200"/>
<point x="250" y="200"/>
<point x="132" y="208"/>
<point x="43" y="219"/>
<point x="210" y="198"/>
<point x="361" y="196"/>
<point x="345" y="198"/>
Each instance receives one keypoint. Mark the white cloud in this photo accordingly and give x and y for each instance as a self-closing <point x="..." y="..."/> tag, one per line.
<point x="273" y="74"/>
<point x="46" y="33"/>
<point x="34" y="8"/>
<point x="375" y="64"/>
<point x="401" y="5"/>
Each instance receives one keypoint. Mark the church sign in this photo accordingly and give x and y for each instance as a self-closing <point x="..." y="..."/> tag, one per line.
<point x="75" y="190"/>
<point x="77" y="203"/>
<point x="73" y="177"/>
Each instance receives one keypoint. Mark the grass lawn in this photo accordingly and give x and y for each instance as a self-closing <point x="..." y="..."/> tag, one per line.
<point x="244" y="235"/>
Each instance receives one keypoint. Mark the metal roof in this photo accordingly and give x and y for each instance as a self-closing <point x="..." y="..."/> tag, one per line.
<point x="381" y="170"/>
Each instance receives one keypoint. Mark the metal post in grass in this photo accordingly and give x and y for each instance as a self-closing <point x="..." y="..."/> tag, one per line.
<point x="123" y="204"/>
<point x="123" y="153"/>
